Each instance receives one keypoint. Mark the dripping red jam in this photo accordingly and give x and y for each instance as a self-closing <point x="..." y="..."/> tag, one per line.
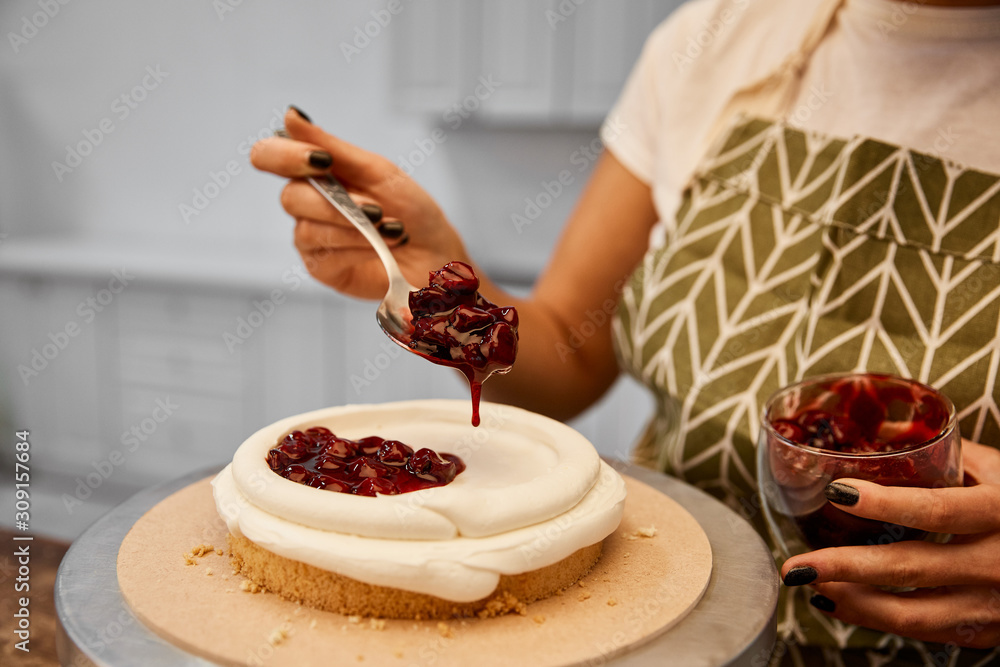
<point x="455" y="325"/>
<point x="318" y="458"/>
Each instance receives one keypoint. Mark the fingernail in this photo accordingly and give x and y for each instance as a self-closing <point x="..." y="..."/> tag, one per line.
<point x="321" y="159"/>
<point x="301" y="113"/>
<point x="391" y="230"/>
<point x="823" y="603"/>
<point x="842" y="494"/>
<point x="373" y="212"/>
<point x="800" y="576"/>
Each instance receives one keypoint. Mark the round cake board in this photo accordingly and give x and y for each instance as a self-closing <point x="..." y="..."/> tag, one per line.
<point x="653" y="571"/>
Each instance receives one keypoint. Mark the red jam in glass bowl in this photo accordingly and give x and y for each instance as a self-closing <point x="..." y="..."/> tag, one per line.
<point x="454" y="325"/>
<point x="881" y="428"/>
<point x="318" y="458"/>
<point x="869" y="414"/>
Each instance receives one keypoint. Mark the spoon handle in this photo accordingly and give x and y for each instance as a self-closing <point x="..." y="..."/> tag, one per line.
<point x="335" y="193"/>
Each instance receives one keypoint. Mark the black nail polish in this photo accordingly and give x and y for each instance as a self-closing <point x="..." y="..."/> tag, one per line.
<point x="373" y="212"/>
<point x="403" y="241"/>
<point x="823" y="603"/>
<point x="301" y="113"/>
<point x="321" y="159"/>
<point x="391" y="230"/>
<point x="800" y="576"/>
<point x="842" y="494"/>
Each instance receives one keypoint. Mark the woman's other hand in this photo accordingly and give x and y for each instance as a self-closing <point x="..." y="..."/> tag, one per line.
<point x="958" y="584"/>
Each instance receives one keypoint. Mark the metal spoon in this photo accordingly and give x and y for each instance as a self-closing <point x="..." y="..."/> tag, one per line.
<point x="393" y="312"/>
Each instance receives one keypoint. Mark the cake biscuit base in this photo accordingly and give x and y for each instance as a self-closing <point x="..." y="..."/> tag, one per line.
<point x="653" y="570"/>
<point x="329" y="591"/>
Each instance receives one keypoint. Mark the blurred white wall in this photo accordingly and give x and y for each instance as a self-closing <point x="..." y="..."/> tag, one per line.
<point x="223" y="79"/>
<point x="115" y="115"/>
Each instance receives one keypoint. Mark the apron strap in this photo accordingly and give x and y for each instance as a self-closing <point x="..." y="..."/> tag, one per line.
<point x="772" y="95"/>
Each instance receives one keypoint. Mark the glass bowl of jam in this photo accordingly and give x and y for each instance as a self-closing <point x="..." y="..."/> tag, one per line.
<point x="881" y="428"/>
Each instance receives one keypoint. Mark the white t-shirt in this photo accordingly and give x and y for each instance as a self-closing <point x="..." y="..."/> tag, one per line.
<point x="923" y="77"/>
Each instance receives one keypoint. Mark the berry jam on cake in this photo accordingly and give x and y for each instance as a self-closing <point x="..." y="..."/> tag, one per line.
<point x="526" y="518"/>
<point x="317" y="458"/>
<point x="455" y="325"/>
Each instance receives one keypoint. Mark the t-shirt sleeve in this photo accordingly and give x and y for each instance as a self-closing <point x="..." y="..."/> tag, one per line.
<point x="629" y="130"/>
<point x="636" y="121"/>
<point x="689" y="66"/>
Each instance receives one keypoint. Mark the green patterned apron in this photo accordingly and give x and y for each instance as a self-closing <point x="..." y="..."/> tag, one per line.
<point x="796" y="254"/>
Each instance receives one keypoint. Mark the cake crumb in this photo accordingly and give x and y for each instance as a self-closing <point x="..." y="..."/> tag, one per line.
<point x="354" y="619"/>
<point x="279" y="634"/>
<point x="376" y="623"/>
<point x="250" y="587"/>
<point x="312" y="624"/>
<point x="445" y="630"/>
<point x="199" y="551"/>
<point x="583" y="596"/>
<point x="208" y="572"/>
<point x="627" y="554"/>
<point x="612" y="602"/>
<point x="501" y="605"/>
<point x="581" y="583"/>
<point x="647" y="531"/>
<point x="539" y="619"/>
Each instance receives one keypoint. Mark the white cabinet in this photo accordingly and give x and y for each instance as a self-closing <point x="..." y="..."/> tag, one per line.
<point x="163" y="377"/>
<point x="552" y="61"/>
<point x="428" y="67"/>
<point x="47" y="347"/>
<point x="607" y="38"/>
<point x="517" y="50"/>
<point x="182" y="388"/>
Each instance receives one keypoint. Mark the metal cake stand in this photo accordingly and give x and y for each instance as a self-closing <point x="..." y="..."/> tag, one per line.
<point x="733" y="625"/>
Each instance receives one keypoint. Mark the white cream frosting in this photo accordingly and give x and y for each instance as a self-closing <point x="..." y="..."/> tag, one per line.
<point x="534" y="491"/>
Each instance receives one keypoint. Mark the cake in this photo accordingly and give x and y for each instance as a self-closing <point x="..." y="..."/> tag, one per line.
<point x="526" y="517"/>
